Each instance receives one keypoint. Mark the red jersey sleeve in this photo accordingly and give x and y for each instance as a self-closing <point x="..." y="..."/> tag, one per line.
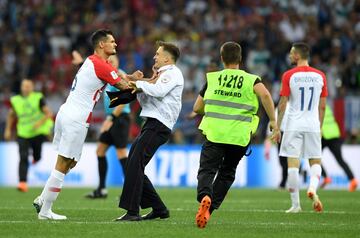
<point x="104" y="70"/>
<point x="285" y="84"/>
<point x="324" y="91"/>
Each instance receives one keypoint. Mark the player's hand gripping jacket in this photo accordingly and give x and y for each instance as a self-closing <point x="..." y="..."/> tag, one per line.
<point x="120" y="97"/>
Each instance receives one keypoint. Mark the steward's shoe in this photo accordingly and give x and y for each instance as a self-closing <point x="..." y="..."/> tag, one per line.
<point x="326" y="181"/>
<point x="156" y="214"/>
<point x="37" y="203"/>
<point x="51" y="216"/>
<point x="127" y="217"/>
<point x="22" y="187"/>
<point x="203" y="215"/>
<point x="353" y="185"/>
<point x="97" y="193"/>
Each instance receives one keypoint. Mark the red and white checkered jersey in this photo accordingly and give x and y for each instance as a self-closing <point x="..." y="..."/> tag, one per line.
<point x="87" y="87"/>
<point x="304" y="86"/>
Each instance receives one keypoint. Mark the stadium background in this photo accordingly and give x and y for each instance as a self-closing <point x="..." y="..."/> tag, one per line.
<point x="39" y="35"/>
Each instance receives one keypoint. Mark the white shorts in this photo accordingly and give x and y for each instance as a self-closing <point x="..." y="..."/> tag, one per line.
<point x="298" y="144"/>
<point x="69" y="137"/>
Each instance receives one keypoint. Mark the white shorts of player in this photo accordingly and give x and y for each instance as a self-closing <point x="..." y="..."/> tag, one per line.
<point x="69" y="137"/>
<point x="298" y="144"/>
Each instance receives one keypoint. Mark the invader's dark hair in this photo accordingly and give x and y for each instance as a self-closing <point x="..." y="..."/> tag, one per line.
<point x="172" y="49"/>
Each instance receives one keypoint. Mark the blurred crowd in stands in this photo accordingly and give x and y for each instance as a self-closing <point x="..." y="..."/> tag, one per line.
<point x="37" y="37"/>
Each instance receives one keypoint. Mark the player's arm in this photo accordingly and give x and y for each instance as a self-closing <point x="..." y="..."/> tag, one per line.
<point x="322" y="106"/>
<point x="284" y="97"/>
<point x="10" y="119"/>
<point x="137" y="75"/>
<point x="77" y="59"/>
<point x="118" y="110"/>
<point x="109" y="121"/>
<point x="122" y="85"/>
<point x="199" y="105"/>
<point x="281" y="108"/>
<point x="268" y="104"/>
<point x="322" y="103"/>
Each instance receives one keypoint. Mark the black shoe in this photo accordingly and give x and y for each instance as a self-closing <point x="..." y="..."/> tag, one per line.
<point x="127" y="217"/>
<point x="156" y="214"/>
<point x="97" y="193"/>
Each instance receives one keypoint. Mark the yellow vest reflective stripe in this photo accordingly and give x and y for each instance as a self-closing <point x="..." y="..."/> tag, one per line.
<point x="230" y="107"/>
<point x="28" y="112"/>
<point x="228" y="117"/>
<point x="231" y="104"/>
<point x="330" y="128"/>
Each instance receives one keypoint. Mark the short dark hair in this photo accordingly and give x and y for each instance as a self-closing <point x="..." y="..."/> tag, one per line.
<point x="303" y="49"/>
<point x="172" y="49"/>
<point x="231" y="53"/>
<point x="99" y="35"/>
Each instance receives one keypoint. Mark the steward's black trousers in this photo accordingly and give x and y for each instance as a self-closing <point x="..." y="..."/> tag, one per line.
<point x="220" y="160"/>
<point x="35" y="143"/>
<point x="334" y="146"/>
<point x="284" y="166"/>
<point x="138" y="190"/>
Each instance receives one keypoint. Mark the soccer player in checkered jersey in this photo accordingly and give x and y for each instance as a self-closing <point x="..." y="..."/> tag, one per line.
<point x="304" y="89"/>
<point x="74" y="116"/>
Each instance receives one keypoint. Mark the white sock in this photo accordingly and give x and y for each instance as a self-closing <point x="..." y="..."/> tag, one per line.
<point x="315" y="173"/>
<point x="51" y="190"/>
<point x="293" y="186"/>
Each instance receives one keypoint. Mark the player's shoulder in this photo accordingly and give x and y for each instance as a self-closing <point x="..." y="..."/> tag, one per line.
<point x="96" y="60"/>
<point x="291" y="71"/>
<point x="315" y="70"/>
<point x="100" y="63"/>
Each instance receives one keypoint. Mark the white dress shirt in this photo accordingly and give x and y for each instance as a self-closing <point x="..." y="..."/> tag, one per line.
<point x="162" y="100"/>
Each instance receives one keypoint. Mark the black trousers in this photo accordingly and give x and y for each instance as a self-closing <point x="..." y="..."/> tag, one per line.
<point x="218" y="160"/>
<point x="334" y="146"/>
<point x="284" y="167"/>
<point x="35" y="143"/>
<point x="138" y="190"/>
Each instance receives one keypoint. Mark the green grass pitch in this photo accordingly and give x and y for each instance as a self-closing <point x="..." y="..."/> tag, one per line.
<point x="244" y="213"/>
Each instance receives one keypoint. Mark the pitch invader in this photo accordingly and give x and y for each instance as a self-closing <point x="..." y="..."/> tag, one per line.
<point x="304" y="89"/>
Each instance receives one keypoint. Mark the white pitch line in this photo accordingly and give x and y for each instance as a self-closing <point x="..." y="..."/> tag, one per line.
<point x="171" y="223"/>
<point x="268" y="211"/>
